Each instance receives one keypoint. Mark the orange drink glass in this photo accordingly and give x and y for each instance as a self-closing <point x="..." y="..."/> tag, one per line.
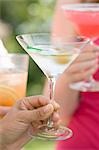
<point x="13" y="78"/>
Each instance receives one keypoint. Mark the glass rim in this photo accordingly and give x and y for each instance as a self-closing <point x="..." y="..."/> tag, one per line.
<point x="86" y="39"/>
<point x="92" y="7"/>
<point x="34" y="33"/>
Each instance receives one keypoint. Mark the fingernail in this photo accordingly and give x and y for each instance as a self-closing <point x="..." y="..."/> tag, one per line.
<point x="48" y="108"/>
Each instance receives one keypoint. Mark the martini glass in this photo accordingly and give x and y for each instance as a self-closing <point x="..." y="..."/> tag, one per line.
<point x="53" y="56"/>
<point x="85" y="18"/>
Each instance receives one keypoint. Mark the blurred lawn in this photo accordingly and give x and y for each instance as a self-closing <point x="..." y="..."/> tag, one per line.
<point x="40" y="145"/>
<point x="28" y="16"/>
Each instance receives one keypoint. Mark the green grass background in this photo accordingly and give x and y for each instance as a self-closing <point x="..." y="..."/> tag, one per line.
<point x="40" y="145"/>
<point x="28" y="16"/>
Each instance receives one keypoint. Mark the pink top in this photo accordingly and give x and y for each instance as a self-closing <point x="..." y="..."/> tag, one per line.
<point x="84" y="124"/>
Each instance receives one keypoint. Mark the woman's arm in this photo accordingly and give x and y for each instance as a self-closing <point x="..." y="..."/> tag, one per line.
<point x="80" y="70"/>
<point x="67" y="98"/>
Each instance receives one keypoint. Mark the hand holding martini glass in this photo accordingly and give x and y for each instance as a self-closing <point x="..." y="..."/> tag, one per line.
<point x="85" y="18"/>
<point x="53" y="56"/>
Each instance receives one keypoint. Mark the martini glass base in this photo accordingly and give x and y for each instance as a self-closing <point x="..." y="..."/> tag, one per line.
<point x="92" y="86"/>
<point x="55" y="134"/>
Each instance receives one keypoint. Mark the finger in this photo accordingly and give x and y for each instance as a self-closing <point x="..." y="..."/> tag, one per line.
<point x="89" y="48"/>
<point x="4" y="110"/>
<point x="55" y="117"/>
<point x="57" y="124"/>
<point x="32" y="102"/>
<point x="87" y="56"/>
<point x="82" y="75"/>
<point x="41" y="113"/>
<point x="82" y="66"/>
<point x="55" y="105"/>
<point x="36" y="124"/>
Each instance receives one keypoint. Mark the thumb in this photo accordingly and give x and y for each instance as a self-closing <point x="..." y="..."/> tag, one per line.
<point x="38" y="114"/>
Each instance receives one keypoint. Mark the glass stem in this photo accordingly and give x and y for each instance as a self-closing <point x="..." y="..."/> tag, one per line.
<point x="52" y="81"/>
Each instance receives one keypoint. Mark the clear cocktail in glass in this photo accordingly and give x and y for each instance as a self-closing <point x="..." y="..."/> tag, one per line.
<point x="53" y="56"/>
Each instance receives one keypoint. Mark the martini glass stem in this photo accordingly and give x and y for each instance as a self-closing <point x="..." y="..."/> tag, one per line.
<point x="51" y="81"/>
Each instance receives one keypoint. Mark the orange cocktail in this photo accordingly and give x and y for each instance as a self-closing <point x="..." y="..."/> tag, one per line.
<point x="13" y="78"/>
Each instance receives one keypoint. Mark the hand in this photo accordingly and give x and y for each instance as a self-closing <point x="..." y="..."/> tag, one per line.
<point x="17" y="124"/>
<point x="83" y="67"/>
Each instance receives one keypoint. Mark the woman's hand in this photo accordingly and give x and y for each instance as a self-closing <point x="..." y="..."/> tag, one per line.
<point x="83" y="67"/>
<point x="24" y="118"/>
